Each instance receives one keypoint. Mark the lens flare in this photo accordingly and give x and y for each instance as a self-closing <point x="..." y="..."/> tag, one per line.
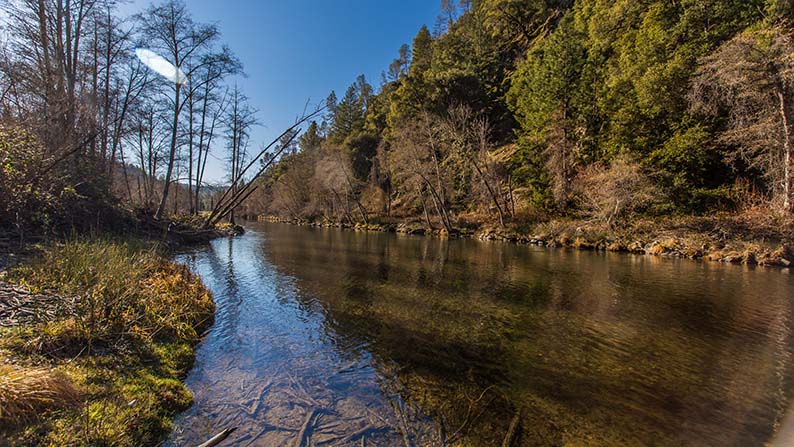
<point x="161" y="66"/>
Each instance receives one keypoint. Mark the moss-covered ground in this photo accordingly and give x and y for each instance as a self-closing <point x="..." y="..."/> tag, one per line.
<point x="105" y="367"/>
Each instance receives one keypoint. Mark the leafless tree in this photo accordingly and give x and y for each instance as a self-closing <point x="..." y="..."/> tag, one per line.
<point x="239" y="120"/>
<point x="49" y="71"/>
<point x="469" y="136"/>
<point x="170" y="29"/>
<point x="211" y="108"/>
<point x="149" y="136"/>
<point x="332" y="184"/>
<point x="752" y="75"/>
<point x="418" y="146"/>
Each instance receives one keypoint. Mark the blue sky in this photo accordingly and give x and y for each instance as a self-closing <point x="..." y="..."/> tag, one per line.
<point x="298" y="50"/>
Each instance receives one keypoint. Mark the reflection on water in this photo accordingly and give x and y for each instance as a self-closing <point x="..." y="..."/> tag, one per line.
<point x="328" y="337"/>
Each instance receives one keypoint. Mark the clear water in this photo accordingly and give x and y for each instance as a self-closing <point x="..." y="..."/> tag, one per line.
<point x="331" y="337"/>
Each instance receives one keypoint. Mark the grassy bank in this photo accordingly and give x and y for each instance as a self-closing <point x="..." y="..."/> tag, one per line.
<point x="95" y="344"/>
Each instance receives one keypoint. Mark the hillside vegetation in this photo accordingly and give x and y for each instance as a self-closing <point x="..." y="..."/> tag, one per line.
<point x="513" y="113"/>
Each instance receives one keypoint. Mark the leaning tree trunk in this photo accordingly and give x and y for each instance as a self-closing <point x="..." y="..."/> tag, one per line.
<point x="490" y="192"/>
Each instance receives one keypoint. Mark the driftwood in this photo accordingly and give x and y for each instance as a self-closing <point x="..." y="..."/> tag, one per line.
<point x="19" y="306"/>
<point x="266" y="428"/>
<point x="306" y="429"/>
<point x="402" y="426"/>
<point x="181" y="233"/>
<point x="217" y="439"/>
<point x="512" y="431"/>
<point x="364" y="432"/>
<point x="306" y="398"/>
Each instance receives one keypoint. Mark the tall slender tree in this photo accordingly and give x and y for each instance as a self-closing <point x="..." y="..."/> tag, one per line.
<point x="170" y="29"/>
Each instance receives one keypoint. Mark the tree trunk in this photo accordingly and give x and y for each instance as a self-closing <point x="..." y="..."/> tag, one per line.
<point x="126" y="176"/>
<point x="424" y="208"/>
<point x="440" y="207"/>
<point x="190" y="153"/>
<point x="490" y="191"/>
<point x="171" y="156"/>
<point x="205" y="99"/>
<point x="787" y="168"/>
<point x="176" y="196"/>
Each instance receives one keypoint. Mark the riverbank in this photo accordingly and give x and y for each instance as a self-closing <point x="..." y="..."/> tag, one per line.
<point x="96" y="336"/>
<point x="729" y="238"/>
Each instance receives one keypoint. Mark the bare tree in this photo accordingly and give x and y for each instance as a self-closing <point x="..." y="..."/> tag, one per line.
<point x="294" y="189"/>
<point x="752" y="75"/>
<point x="212" y="106"/>
<point x="169" y="28"/>
<point x="470" y="137"/>
<point x="332" y="182"/>
<point x="239" y="120"/>
<point x="609" y="192"/>
<point x="418" y="146"/>
<point x="150" y="137"/>
<point x="116" y="87"/>
<point x="47" y="70"/>
<point x="344" y="165"/>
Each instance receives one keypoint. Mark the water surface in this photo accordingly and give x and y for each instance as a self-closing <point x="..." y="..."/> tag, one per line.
<point x="331" y="337"/>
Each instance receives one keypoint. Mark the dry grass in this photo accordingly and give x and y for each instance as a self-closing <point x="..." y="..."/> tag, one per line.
<point x="26" y="393"/>
<point x="124" y="292"/>
<point x="128" y="336"/>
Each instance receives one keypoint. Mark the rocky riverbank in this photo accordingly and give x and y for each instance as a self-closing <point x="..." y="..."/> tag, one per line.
<point x="724" y="239"/>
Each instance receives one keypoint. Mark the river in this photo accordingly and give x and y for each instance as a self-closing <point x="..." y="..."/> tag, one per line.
<point x="334" y="337"/>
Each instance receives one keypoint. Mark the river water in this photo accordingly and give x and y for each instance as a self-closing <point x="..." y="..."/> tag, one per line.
<point x="332" y="337"/>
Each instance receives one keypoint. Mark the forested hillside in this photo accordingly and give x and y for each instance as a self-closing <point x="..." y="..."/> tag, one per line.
<point x="506" y="111"/>
<point x="501" y="114"/>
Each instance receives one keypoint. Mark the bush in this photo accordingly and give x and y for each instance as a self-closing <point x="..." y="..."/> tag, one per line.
<point x="25" y="199"/>
<point x="40" y="196"/>
<point x="607" y="193"/>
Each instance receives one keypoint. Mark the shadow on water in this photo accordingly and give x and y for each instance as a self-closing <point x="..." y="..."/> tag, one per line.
<point x="329" y="337"/>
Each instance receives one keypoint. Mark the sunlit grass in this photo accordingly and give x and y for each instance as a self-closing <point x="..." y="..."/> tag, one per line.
<point x="25" y="392"/>
<point x="123" y="338"/>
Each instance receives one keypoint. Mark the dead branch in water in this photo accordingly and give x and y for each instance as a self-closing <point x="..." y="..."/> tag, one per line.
<point x="306" y="429"/>
<point x="217" y="439"/>
<point x="239" y="189"/>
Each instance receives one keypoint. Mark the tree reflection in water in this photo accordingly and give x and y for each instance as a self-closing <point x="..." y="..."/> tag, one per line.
<point x="334" y="336"/>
